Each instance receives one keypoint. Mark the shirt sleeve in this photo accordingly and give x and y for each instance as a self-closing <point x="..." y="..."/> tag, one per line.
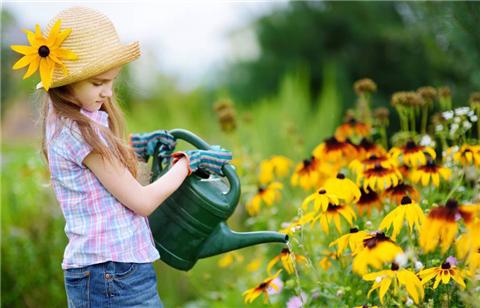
<point x="72" y="146"/>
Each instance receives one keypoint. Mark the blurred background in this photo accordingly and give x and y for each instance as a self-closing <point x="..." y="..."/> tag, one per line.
<point x="282" y="70"/>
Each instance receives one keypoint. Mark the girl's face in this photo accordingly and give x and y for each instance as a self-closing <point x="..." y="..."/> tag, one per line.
<point x="94" y="91"/>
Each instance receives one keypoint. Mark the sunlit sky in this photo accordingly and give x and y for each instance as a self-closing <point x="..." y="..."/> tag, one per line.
<point x="189" y="40"/>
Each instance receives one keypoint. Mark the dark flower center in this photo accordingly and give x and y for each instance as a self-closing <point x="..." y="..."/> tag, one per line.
<point x="411" y="145"/>
<point x="307" y="162"/>
<point x="452" y="204"/>
<point x="322" y="191"/>
<point x="446" y="265"/>
<point x="43" y="51"/>
<point x="352" y="121"/>
<point x="261" y="189"/>
<point x="353" y="230"/>
<point x="406" y="200"/>
<point x="395" y="267"/>
<point x="373" y="157"/>
<point x="285" y="251"/>
<point x="373" y="241"/>
<point x="340" y="176"/>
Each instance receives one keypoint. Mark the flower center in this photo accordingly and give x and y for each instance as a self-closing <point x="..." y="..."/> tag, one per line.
<point x="353" y="230"/>
<point x="411" y="145"/>
<point x="395" y="267"/>
<point x="452" y="204"/>
<point x="373" y="157"/>
<point x="406" y="200"/>
<point x="340" y="176"/>
<point x="43" y="51"/>
<point x="446" y="265"/>
<point x="322" y="191"/>
<point x="285" y="251"/>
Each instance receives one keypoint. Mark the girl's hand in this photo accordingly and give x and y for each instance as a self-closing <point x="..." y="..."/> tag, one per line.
<point x="145" y="144"/>
<point x="209" y="160"/>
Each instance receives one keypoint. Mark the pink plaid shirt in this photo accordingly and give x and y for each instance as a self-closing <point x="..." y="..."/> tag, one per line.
<point x="99" y="228"/>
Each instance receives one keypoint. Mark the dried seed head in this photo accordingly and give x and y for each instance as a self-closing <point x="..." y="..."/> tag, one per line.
<point x="408" y="99"/>
<point x="444" y="92"/>
<point x="365" y="85"/>
<point x="429" y="94"/>
<point x="475" y="100"/>
<point x="226" y="114"/>
<point x="381" y="114"/>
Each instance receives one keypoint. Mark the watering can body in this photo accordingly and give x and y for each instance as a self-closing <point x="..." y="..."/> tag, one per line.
<point x="191" y="223"/>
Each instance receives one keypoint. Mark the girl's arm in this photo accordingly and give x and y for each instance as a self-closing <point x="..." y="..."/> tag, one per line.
<point x="143" y="200"/>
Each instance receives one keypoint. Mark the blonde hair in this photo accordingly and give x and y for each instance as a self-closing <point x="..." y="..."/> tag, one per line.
<point x="66" y="106"/>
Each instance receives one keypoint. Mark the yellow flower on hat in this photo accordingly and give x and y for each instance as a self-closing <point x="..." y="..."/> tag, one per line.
<point x="44" y="53"/>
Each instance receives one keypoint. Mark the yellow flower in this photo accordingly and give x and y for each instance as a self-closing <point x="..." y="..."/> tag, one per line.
<point x="286" y="257"/>
<point x="412" y="154"/>
<point x="308" y="173"/>
<point x="44" y="53"/>
<point x="320" y="199"/>
<point x="401" y="277"/>
<point x="440" y="226"/>
<point x="367" y="148"/>
<point x="277" y="166"/>
<point x="253" y="293"/>
<point x="354" y="240"/>
<point x="352" y="128"/>
<point x="343" y="188"/>
<point x="377" y="250"/>
<point x="468" y="246"/>
<point x="468" y="155"/>
<point x="442" y="273"/>
<point x="367" y="201"/>
<point x="428" y="172"/>
<point x="360" y="165"/>
<point x="334" y="212"/>
<point x="228" y="259"/>
<point x="267" y="195"/>
<point x="333" y="151"/>
<point x="379" y="178"/>
<point x="397" y="192"/>
<point x="407" y="210"/>
<point x="326" y="262"/>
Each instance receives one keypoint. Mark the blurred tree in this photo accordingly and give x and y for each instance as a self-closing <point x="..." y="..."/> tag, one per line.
<point x="393" y="43"/>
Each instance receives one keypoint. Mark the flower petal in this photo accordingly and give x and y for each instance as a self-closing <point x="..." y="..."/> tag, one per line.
<point x="32" y="68"/>
<point x="24" y="61"/>
<point x="24" y="50"/>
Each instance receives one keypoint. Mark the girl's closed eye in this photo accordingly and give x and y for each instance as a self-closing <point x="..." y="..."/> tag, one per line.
<point x="96" y="84"/>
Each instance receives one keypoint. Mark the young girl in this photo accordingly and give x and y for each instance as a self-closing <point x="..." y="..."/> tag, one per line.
<point x="108" y="261"/>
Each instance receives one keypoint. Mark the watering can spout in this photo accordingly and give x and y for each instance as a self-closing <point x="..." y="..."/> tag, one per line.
<point x="223" y="239"/>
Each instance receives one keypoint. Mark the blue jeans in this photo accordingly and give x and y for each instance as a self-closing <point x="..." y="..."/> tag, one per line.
<point x="112" y="284"/>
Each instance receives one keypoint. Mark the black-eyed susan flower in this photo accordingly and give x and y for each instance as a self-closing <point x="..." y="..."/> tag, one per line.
<point x="352" y="128"/>
<point x="397" y="192"/>
<point x="407" y="210"/>
<point x="343" y="188"/>
<point x="368" y="200"/>
<point x="377" y="250"/>
<point x="412" y="154"/>
<point x="442" y="274"/>
<point x="360" y="165"/>
<point x="253" y="293"/>
<point x="405" y="170"/>
<point x="430" y="172"/>
<point x="287" y="258"/>
<point x="379" y="178"/>
<point x="277" y="166"/>
<point x="333" y="213"/>
<point x="44" y="53"/>
<point x="267" y="195"/>
<point x="468" y="155"/>
<point x="366" y="148"/>
<point x="320" y="199"/>
<point x="326" y="262"/>
<point x="440" y="226"/>
<point x="399" y="277"/>
<point x="353" y="239"/>
<point x="468" y="246"/>
<point x="308" y="174"/>
<point x="333" y="150"/>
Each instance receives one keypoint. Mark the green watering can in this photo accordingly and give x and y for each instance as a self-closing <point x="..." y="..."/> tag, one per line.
<point x="190" y="224"/>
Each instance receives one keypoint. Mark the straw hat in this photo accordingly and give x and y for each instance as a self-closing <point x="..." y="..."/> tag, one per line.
<point x="95" y="42"/>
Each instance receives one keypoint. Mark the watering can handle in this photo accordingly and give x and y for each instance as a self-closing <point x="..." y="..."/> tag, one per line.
<point x="234" y="191"/>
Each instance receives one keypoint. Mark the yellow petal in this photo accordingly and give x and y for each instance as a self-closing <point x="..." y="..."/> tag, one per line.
<point x="46" y="72"/>
<point x="24" y="50"/>
<point x="53" y="33"/>
<point x="24" y="61"/>
<point x="32" y="68"/>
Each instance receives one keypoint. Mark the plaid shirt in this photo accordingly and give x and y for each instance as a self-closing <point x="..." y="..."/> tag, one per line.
<point x="99" y="228"/>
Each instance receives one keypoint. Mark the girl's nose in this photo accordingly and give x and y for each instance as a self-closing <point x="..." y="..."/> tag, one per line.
<point x="106" y="92"/>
